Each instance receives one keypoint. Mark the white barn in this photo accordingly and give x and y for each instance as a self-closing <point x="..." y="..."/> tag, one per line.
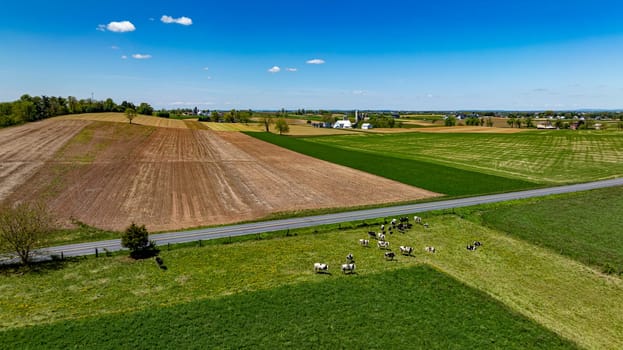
<point x="343" y="124"/>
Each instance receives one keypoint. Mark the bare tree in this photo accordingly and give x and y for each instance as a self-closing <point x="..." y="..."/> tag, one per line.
<point x="23" y="228"/>
<point x="267" y="120"/>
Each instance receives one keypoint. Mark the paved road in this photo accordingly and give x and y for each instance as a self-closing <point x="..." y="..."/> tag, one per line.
<point x="277" y="225"/>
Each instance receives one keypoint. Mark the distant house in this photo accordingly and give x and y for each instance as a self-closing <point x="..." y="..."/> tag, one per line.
<point x="343" y="124"/>
<point x="366" y="126"/>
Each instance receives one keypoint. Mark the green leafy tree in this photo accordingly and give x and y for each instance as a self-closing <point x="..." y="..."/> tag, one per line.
<point x="450" y="121"/>
<point x="136" y="239"/>
<point x="282" y="126"/>
<point x="145" y="109"/>
<point x="23" y="228"/>
<point x="130" y="113"/>
<point x="510" y="121"/>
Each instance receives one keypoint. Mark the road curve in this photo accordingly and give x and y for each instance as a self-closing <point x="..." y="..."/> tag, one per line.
<point x="89" y="248"/>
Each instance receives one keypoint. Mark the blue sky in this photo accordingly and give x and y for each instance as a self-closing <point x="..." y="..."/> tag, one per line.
<point x="332" y="54"/>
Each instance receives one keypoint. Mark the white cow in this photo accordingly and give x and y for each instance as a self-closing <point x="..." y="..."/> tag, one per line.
<point x="364" y="242"/>
<point x="417" y="219"/>
<point x="381" y="236"/>
<point x="430" y="249"/>
<point x="350" y="268"/>
<point x="383" y="244"/>
<point x="318" y="267"/>
<point x="406" y="250"/>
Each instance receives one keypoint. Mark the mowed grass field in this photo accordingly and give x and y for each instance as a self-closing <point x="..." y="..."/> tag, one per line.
<point x="559" y="293"/>
<point x="426" y="174"/>
<point x="416" y="307"/>
<point x="544" y="157"/>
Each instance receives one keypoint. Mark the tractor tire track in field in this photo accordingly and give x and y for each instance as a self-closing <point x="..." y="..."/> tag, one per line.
<point x="25" y="149"/>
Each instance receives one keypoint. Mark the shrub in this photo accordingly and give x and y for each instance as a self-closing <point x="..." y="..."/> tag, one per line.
<point x="163" y="114"/>
<point x="136" y="238"/>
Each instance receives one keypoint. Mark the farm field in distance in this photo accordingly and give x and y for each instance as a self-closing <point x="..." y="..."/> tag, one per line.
<point x="542" y="157"/>
<point x="435" y="177"/>
<point x="111" y="174"/>
<point x="575" y="301"/>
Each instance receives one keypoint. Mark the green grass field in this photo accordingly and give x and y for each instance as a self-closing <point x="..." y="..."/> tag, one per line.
<point x="585" y="226"/>
<point x="572" y="300"/>
<point x="429" y="175"/>
<point x="415" y="307"/>
<point x="544" y="157"/>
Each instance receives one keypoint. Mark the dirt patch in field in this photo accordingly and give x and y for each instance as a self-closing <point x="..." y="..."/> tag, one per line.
<point x="170" y="178"/>
<point x="25" y="149"/>
<point x="121" y="118"/>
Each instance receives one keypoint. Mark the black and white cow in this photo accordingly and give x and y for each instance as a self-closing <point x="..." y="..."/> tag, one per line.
<point x="430" y="249"/>
<point x="350" y="268"/>
<point x="318" y="267"/>
<point x="350" y="258"/>
<point x="471" y="247"/>
<point x="383" y="244"/>
<point x="417" y="220"/>
<point x="390" y="255"/>
<point x="405" y="250"/>
<point x="364" y="242"/>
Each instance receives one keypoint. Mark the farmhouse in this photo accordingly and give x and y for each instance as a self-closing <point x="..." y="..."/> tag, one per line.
<point x="366" y="126"/>
<point x="343" y="124"/>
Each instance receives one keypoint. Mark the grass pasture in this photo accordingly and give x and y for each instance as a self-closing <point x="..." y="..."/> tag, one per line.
<point x="416" y="307"/>
<point x="546" y="157"/>
<point x="569" y="298"/>
<point x="584" y="226"/>
<point x="440" y="178"/>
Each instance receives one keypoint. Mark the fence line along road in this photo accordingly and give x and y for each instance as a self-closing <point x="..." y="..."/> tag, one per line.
<point x="89" y="248"/>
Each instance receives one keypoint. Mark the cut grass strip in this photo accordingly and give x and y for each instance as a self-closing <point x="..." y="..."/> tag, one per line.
<point x="430" y="176"/>
<point x="416" y="307"/>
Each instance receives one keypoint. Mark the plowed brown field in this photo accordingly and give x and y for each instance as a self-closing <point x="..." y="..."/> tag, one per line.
<point x="25" y="149"/>
<point x="170" y="179"/>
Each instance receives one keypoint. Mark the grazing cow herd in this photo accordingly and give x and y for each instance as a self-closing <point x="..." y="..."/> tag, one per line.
<point x="401" y="225"/>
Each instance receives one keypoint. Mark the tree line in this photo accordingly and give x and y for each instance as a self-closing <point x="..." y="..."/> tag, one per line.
<point x="32" y="108"/>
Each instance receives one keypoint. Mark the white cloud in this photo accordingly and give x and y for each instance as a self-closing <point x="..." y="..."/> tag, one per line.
<point x="139" y="56"/>
<point x="206" y="68"/>
<point x="115" y="47"/>
<point x="124" y="57"/>
<point x="185" y="21"/>
<point x="275" y="69"/>
<point x="118" y="27"/>
<point x="316" y="61"/>
<point x="291" y="69"/>
<point x="101" y="27"/>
